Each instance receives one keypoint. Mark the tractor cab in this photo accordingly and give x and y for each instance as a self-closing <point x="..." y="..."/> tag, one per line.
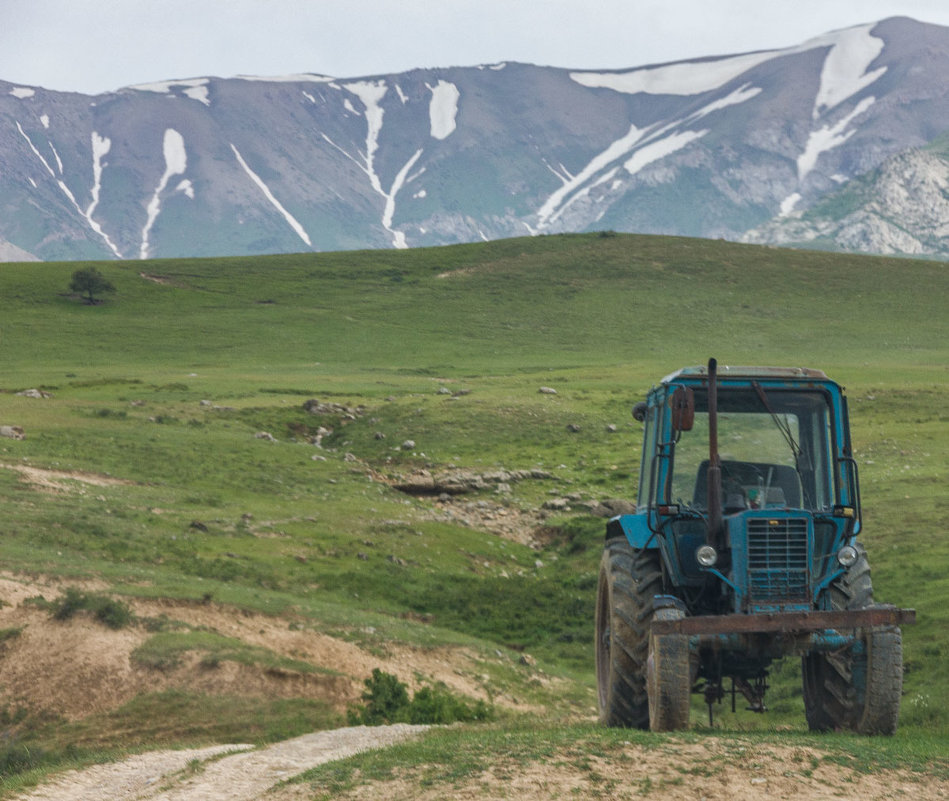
<point x="748" y="477"/>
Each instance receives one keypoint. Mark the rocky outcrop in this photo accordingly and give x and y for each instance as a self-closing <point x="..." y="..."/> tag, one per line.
<point x="901" y="208"/>
<point x="459" y="482"/>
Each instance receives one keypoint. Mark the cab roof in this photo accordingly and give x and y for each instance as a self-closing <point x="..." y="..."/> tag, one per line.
<point x="734" y="371"/>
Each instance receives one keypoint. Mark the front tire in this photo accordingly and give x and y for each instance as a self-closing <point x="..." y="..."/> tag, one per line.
<point x="833" y="695"/>
<point x="668" y="677"/>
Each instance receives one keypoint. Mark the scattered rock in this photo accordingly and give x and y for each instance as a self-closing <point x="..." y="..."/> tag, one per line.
<point x="363" y="556"/>
<point x="12" y="432"/>
<point x="444" y="391"/>
<point x="408" y="445"/>
<point x="574" y="428"/>
<point x="314" y="406"/>
<point x="557" y="504"/>
<point x="317" y="438"/>
<point x="197" y="525"/>
<point x="547" y="391"/>
<point x="527" y="659"/>
<point x="420" y="482"/>
<point x="458" y="482"/>
<point x="379" y="435"/>
<point x="611" y="428"/>
<point x="265" y="435"/>
<point x="610" y="507"/>
<point x="34" y="393"/>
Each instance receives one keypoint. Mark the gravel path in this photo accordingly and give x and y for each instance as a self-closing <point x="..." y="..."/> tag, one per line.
<point x="219" y="773"/>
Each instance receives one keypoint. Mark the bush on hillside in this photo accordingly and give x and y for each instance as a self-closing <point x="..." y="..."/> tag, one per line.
<point x="112" y="613"/>
<point x="387" y="701"/>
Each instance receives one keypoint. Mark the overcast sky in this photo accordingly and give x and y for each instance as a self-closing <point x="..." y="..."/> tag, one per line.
<point x="95" y="46"/>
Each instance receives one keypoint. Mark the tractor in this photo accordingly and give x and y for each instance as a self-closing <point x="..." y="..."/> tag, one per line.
<point x="743" y="550"/>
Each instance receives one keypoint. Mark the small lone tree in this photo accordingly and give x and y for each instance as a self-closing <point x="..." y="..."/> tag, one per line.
<point x="89" y="282"/>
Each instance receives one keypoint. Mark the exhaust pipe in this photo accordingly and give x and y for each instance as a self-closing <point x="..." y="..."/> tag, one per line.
<point x="714" y="533"/>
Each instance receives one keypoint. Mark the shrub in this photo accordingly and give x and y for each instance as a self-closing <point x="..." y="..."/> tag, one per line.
<point x="112" y="613"/>
<point x="387" y="701"/>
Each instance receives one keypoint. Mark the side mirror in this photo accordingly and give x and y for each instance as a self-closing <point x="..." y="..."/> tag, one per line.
<point x="683" y="409"/>
<point x="639" y="411"/>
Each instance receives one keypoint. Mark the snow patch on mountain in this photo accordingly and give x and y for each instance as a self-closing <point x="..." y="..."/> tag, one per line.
<point x="846" y="66"/>
<point x="310" y="77"/>
<point x="291" y="220"/>
<point x="740" y="95"/>
<point x="22" y="92"/>
<point x="371" y="94"/>
<point x="660" y="149"/>
<point x="176" y="162"/>
<point x="788" y="204"/>
<point x="398" y="237"/>
<point x="39" y="155"/>
<point x="646" y="145"/>
<point x="551" y="208"/>
<point x="199" y="93"/>
<point x="828" y="137"/>
<point x="443" y="110"/>
<point x="97" y="148"/>
<point x="100" y="148"/>
<point x="681" y="78"/>
<point x="44" y="120"/>
<point x="195" y="88"/>
<point x="59" y="161"/>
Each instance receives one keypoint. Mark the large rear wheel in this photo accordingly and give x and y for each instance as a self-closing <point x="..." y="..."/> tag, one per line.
<point x="629" y="580"/>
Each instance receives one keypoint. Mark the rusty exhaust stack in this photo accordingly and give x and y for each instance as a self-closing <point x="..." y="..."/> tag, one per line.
<point x="713" y="535"/>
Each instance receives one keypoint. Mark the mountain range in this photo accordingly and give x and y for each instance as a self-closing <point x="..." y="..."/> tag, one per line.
<point x="833" y="143"/>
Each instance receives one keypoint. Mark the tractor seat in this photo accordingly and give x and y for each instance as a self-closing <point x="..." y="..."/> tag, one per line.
<point x="738" y="478"/>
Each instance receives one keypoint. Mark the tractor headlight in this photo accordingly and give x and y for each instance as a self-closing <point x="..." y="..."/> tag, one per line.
<point x="706" y="555"/>
<point x="847" y="555"/>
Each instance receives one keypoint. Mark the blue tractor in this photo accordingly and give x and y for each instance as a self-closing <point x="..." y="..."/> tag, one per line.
<point x="744" y="550"/>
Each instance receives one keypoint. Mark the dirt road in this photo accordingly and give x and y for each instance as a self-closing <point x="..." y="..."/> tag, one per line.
<point x="219" y="773"/>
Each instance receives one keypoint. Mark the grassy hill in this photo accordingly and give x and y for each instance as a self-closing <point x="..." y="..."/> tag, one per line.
<point x="142" y="477"/>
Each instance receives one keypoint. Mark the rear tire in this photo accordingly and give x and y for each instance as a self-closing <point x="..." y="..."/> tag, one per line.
<point x="832" y="697"/>
<point x="629" y="580"/>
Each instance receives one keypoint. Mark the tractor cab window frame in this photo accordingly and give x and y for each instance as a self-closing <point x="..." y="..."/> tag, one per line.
<point x="650" y="437"/>
<point x="782" y="454"/>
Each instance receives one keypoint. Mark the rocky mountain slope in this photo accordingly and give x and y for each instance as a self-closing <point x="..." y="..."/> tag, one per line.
<point x="901" y="207"/>
<point x="714" y="147"/>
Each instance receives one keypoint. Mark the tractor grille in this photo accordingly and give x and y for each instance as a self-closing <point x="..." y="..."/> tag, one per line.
<point x="777" y="559"/>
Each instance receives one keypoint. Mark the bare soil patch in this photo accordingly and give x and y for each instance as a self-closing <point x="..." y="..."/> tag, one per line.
<point x="714" y="770"/>
<point x="52" y="480"/>
<point x="79" y="667"/>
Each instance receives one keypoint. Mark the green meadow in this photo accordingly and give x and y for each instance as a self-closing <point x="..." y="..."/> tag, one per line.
<point x="162" y="389"/>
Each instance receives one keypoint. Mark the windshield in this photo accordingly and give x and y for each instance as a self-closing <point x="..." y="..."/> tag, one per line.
<point x="774" y="451"/>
